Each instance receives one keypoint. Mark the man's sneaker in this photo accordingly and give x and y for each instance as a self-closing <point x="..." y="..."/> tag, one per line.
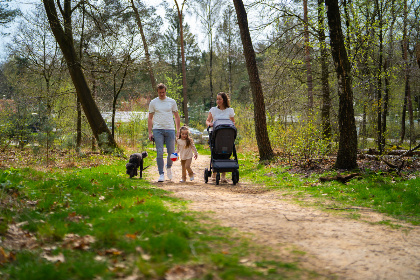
<point x="161" y="178"/>
<point x="169" y="173"/>
<point x="192" y="178"/>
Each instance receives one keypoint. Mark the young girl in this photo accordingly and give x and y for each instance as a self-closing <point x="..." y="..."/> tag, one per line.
<point x="186" y="150"/>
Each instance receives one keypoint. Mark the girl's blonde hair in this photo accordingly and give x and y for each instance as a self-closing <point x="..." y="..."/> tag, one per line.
<point x="189" y="139"/>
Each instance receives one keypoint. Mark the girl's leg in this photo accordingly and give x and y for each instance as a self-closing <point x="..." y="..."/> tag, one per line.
<point x="188" y="167"/>
<point x="184" y="170"/>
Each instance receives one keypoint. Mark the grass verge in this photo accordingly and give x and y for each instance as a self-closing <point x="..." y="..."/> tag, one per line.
<point x="386" y="192"/>
<point x="94" y="223"/>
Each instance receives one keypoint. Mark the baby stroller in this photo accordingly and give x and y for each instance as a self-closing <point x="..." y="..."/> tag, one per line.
<point x="222" y="146"/>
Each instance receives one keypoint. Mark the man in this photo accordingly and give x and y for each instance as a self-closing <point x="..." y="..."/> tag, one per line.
<point x="161" y="128"/>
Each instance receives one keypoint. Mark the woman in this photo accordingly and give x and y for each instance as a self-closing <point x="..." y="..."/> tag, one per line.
<point x="221" y="111"/>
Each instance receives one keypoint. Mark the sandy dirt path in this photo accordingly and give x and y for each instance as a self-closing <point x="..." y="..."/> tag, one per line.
<point x="335" y="245"/>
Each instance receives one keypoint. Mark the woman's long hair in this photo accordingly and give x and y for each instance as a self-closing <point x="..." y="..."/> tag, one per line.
<point x="188" y="140"/>
<point x="225" y="98"/>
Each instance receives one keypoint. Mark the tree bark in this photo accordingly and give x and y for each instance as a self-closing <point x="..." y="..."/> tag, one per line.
<point x="308" y="57"/>
<point x="387" y="69"/>
<point x="326" y="100"/>
<point x="183" y="63"/>
<point x="380" y="133"/>
<point x="64" y="38"/>
<point x="263" y="141"/>
<point x="145" y="46"/>
<point x="418" y="53"/>
<point x="347" y="147"/>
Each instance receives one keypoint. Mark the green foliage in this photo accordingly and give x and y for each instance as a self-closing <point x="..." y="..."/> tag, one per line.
<point x="134" y="134"/>
<point x="302" y="141"/>
<point x="174" y="87"/>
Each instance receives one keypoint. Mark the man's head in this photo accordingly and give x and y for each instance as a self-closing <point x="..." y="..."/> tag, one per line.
<point x="161" y="89"/>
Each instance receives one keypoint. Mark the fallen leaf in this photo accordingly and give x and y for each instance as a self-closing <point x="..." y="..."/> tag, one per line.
<point x="113" y="251"/>
<point x="180" y="273"/>
<point x="140" y="201"/>
<point x="57" y="258"/>
<point x="131" y="236"/>
<point x="3" y="256"/>
<point x="74" y="241"/>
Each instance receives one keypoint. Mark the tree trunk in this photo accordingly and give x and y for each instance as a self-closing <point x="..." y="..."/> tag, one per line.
<point x="418" y="53"/>
<point x="64" y="38"/>
<point x="211" y="70"/>
<point x="408" y="106"/>
<point x="263" y="142"/>
<point x="78" y="125"/>
<point x="387" y="69"/>
<point x="184" y="67"/>
<point x="347" y="147"/>
<point x="145" y="46"/>
<point x="308" y="57"/>
<point x="326" y="100"/>
<point x="380" y="133"/>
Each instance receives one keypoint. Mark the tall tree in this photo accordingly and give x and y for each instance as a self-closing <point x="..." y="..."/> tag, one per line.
<point x="261" y="133"/>
<point x="180" y="10"/>
<point x="63" y="33"/>
<point x="145" y="46"/>
<point x="326" y="100"/>
<point x="380" y="133"/>
<point x="308" y="56"/>
<point x="407" y="93"/>
<point x="387" y="71"/>
<point x="347" y="149"/>
<point x="208" y="11"/>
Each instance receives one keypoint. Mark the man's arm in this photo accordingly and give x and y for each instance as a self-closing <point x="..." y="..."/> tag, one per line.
<point x="177" y="123"/>
<point x="150" y="125"/>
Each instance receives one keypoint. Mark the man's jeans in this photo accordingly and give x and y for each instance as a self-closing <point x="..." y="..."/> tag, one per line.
<point x="167" y="137"/>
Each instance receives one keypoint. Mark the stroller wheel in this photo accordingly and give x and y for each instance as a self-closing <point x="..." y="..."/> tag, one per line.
<point x="235" y="177"/>
<point x="217" y="178"/>
<point x="206" y="175"/>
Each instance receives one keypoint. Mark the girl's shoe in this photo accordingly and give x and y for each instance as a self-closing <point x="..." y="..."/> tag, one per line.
<point x="182" y="181"/>
<point x="192" y="178"/>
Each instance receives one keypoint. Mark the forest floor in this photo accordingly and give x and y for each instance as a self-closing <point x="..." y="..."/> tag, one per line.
<point x="331" y="243"/>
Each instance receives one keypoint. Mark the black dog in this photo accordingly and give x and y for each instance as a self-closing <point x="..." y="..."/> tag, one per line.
<point x="135" y="162"/>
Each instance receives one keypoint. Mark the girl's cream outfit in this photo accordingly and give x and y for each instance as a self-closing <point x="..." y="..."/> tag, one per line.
<point x="186" y="154"/>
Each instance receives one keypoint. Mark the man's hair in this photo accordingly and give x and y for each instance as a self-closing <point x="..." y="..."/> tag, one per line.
<point x="161" y="86"/>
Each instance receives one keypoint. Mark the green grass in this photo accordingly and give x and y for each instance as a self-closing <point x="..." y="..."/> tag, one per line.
<point x="133" y="227"/>
<point x="385" y="192"/>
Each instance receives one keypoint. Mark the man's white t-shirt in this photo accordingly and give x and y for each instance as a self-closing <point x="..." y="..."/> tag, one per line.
<point x="217" y="114"/>
<point x="163" y="113"/>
